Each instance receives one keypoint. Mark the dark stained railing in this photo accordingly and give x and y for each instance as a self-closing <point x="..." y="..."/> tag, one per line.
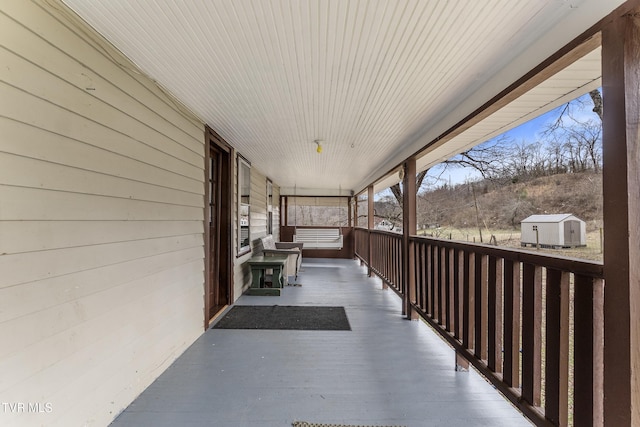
<point x="385" y="255"/>
<point x="361" y="245"/>
<point x="531" y="323"/>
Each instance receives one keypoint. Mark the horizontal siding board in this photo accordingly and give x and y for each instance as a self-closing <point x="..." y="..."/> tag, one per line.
<point x="35" y="128"/>
<point x="78" y="321"/>
<point x="258" y="205"/>
<point x="20" y="204"/>
<point x="27" y="236"/>
<point x="22" y="75"/>
<point x="51" y="176"/>
<point x="30" y="266"/>
<point x="98" y="57"/>
<point x="101" y="210"/>
<point x="26" y="45"/>
<point x="163" y="335"/>
<point x="169" y="333"/>
<point x="39" y="295"/>
<point x="59" y="383"/>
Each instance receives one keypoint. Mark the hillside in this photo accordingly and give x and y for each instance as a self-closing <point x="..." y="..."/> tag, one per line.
<point x="494" y="206"/>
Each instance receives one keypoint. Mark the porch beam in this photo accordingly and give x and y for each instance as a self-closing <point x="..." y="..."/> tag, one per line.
<point x="409" y="229"/>
<point x="621" y="204"/>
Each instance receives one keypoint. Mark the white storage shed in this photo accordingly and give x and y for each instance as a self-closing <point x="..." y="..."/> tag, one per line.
<point x="553" y="231"/>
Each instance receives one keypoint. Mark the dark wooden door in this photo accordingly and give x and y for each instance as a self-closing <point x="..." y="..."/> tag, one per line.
<point x="218" y="289"/>
<point x="217" y="258"/>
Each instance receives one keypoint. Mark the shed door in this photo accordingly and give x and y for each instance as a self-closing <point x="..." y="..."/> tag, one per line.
<point x="572" y="233"/>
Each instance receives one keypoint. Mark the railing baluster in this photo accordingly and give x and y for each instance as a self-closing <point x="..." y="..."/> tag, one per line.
<point x="402" y="284"/>
<point x="557" y="347"/>
<point x="459" y="296"/>
<point x="481" y="314"/>
<point x="423" y="277"/>
<point x="470" y="303"/>
<point x="415" y="251"/>
<point x="452" y="286"/>
<point x="429" y="280"/>
<point x="494" y="305"/>
<point x="588" y="353"/>
<point x="444" y="313"/>
<point x="512" y="323"/>
<point x="435" y="313"/>
<point x="531" y="333"/>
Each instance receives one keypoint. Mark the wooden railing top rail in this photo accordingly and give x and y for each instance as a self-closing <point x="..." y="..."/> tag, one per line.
<point x="579" y="266"/>
<point x="575" y="265"/>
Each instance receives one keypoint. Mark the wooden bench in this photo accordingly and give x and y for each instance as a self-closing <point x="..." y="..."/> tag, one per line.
<point x="319" y="238"/>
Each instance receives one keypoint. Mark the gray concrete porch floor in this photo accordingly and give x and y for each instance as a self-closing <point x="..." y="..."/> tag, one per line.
<point x="385" y="371"/>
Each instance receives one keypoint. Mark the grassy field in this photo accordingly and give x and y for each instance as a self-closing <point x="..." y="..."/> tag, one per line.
<point x="511" y="239"/>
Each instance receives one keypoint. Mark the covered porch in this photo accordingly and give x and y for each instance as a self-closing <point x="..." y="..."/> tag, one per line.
<point x="384" y="371"/>
<point x="145" y="146"/>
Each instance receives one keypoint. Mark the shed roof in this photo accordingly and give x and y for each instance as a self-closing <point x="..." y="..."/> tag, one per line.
<point x="549" y="218"/>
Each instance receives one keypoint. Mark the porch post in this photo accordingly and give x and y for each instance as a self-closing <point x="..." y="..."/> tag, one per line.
<point x="370" y="226"/>
<point x="621" y="189"/>
<point x="408" y="229"/>
<point x="285" y="211"/>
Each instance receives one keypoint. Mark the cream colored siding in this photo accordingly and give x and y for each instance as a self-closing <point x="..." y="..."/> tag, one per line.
<point x="101" y="222"/>
<point x="258" y="206"/>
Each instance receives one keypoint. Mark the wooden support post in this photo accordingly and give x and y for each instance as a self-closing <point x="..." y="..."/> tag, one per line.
<point x="409" y="229"/>
<point x="285" y="211"/>
<point x="370" y="226"/>
<point x="621" y="204"/>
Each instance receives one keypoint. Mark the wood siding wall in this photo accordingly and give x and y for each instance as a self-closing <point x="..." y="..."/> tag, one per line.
<point x="101" y="222"/>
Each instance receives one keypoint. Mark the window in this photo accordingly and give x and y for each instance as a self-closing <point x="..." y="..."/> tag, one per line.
<point x="244" y="205"/>
<point x="269" y="207"/>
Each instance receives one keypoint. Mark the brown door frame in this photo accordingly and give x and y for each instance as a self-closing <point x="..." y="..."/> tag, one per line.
<point x="225" y="228"/>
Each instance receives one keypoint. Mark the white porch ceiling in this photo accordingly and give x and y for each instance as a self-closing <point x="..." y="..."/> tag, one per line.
<point x="376" y="80"/>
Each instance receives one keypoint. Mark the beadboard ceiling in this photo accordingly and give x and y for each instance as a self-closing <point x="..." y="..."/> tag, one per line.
<point x="376" y="80"/>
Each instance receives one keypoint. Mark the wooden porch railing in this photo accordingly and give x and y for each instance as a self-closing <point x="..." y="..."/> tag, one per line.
<point x="531" y="323"/>
<point x="385" y="255"/>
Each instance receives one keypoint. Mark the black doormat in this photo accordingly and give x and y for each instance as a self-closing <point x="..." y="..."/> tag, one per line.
<point x="305" y="318"/>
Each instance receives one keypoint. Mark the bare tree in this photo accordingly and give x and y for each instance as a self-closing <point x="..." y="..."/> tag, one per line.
<point x="596" y="97"/>
<point x="396" y="189"/>
<point x="487" y="158"/>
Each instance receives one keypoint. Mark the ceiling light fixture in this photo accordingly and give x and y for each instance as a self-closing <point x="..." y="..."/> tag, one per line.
<point x="319" y="145"/>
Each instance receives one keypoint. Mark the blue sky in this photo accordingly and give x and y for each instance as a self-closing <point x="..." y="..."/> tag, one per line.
<point x="528" y="132"/>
